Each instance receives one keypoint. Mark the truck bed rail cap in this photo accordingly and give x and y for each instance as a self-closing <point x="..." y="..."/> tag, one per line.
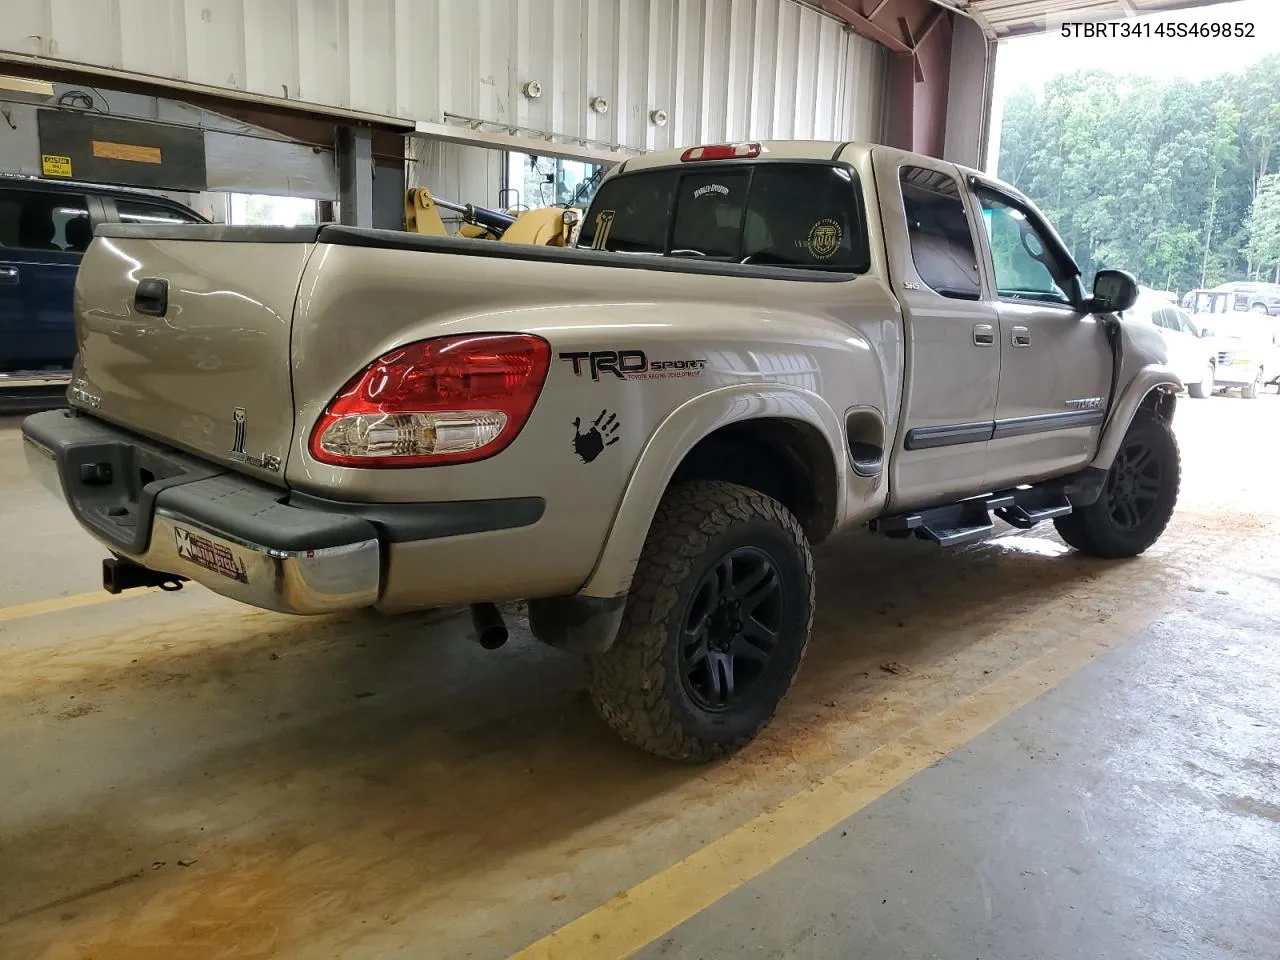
<point x="402" y="240"/>
<point x="227" y="233"/>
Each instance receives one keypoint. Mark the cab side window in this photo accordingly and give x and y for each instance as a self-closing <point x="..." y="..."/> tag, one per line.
<point x="39" y="220"/>
<point x="942" y="246"/>
<point x="1025" y="268"/>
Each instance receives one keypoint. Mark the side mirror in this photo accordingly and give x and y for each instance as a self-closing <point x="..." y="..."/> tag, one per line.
<point x="1205" y="332"/>
<point x="1114" y="291"/>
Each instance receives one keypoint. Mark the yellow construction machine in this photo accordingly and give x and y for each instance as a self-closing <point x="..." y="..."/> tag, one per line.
<point x="544" y="227"/>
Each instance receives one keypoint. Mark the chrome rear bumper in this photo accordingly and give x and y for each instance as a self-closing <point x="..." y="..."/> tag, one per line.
<point x="183" y="539"/>
<point x="321" y="580"/>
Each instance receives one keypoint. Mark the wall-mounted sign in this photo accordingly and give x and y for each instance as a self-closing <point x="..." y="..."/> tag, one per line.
<point x="132" y="153"/>
<point x="52" y="165"/>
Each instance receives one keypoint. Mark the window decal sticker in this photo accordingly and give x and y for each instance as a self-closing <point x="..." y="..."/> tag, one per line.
<point x="604" y="224"/>
<point x="824" y="239"/>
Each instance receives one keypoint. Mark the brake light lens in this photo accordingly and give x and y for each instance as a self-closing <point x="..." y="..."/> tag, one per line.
<point x="722" y="151"/>
<point x="448" y="400"/>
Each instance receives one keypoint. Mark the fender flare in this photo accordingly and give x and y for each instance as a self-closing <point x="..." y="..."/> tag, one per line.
<point x="672" y="440"/>
<point x="1148" y="379"/>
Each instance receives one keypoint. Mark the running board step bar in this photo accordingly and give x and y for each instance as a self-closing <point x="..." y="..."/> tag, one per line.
<point x="970" y="520"/>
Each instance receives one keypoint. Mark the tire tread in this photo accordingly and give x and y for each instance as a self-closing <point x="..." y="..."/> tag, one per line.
<point x="628" y="681"/>
<point x="1088" y="529"/>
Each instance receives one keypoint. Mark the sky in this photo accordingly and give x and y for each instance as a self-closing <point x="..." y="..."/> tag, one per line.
<point x="1033" y="60"/>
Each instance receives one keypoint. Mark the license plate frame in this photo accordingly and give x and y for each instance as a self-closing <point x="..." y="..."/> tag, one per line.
<point x="200" y="550"/>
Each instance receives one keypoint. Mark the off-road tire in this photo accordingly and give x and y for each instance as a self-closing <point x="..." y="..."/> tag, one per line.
<point x="639" y="684"/>
<point x="1203" y="389"/>
<point x="1095" y="529"/>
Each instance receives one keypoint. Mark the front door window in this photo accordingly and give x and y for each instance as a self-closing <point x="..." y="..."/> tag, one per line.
<point x="1024" y="266"/>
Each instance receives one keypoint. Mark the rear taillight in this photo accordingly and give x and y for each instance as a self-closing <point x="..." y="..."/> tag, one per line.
<point x="722" y="151"/>
<point x="450" y="400"/>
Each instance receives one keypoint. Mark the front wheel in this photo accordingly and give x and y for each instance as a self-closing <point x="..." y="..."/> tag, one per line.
<point x="1137" y="498"/>
<point x="1205" y="387"/>
<point x="715" y="624"/>
<point x="1251" y="391"/>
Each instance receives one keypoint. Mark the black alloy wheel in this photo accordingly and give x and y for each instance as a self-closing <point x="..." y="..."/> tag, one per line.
<point x="1134" y="485"/>
<point x="1137" y="498"/>
<point x="731" y="628"/>
<point x="715" y="624"/>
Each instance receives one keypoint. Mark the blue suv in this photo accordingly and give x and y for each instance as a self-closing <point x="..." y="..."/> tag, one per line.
<point x="45" y="228"/>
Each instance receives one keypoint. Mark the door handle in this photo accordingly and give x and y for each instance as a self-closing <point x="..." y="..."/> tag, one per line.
<point x="151" y="297"/>
<point x="1021" y="336"/>
<point x="984" y="334"/>
<point x="9" y="275"/>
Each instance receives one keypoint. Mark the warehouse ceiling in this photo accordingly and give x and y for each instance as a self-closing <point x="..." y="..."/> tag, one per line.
<point x="1012" y="18"/>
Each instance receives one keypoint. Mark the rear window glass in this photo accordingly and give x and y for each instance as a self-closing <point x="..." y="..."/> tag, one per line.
<point x="804" y="215"/>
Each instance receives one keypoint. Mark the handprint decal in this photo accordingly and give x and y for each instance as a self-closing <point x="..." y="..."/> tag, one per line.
<point x="602" y="433"/>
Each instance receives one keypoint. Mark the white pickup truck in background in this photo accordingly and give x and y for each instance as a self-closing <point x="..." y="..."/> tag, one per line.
<point x="1245" y="342"/>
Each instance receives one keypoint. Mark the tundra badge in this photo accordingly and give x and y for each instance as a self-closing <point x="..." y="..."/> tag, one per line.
<point x="265" y="462"/>
<point x="1086" y="403"/>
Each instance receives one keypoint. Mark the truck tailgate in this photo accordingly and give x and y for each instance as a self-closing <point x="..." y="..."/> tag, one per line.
<point x="183" y="336"/>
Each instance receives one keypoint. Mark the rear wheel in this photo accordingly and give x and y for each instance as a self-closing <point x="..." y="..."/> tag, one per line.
<point x="715" y="625"/>
<point x="1137" y="498"/>
<point x="1205" y="387"/>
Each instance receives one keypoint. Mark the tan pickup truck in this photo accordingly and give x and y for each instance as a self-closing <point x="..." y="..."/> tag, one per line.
<point x="753" y="347"/>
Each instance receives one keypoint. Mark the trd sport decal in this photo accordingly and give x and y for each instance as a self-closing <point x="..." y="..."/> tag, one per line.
<point x="630" y="365"/>
<point x="602" y="433"/>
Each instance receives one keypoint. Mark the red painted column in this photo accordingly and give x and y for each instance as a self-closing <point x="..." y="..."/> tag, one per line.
<point x="918" y="35"/>
<point x="931" y="85"/>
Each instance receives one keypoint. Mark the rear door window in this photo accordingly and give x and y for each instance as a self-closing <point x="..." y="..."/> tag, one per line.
<point x="40" y="220"/>
<point x="801" y="215"/>
<point x="942" y="245"/>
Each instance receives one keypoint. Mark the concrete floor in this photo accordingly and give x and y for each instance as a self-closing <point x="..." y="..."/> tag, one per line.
<point x="1068" y="758"/>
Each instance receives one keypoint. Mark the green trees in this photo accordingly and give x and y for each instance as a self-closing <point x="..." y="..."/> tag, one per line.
<point x="1263" y="228"/>
<point x="1174" y="181"/>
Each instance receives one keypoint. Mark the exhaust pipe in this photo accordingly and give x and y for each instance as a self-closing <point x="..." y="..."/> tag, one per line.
<point x="491" y="629"/>
<point x="119" y="575"/>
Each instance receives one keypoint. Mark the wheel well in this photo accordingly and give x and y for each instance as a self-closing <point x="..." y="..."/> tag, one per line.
<point x="784" y="459"/>
<point x="1161" y="403"/>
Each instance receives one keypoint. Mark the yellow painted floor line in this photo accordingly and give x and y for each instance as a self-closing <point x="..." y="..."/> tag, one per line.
<point x="636" y="917"/>
<point x="22" y="610"/>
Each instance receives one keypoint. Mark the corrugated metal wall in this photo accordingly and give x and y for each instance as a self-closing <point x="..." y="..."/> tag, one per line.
<point x="721" y="69"/>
